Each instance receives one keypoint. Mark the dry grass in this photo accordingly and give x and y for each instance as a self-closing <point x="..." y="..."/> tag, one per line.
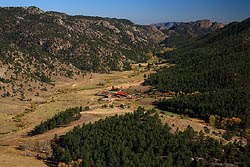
<point x="10" y="157"/>
<point x="7" y="125"/>
<point x="181" y="124"/>
<point x="11" y="107"/>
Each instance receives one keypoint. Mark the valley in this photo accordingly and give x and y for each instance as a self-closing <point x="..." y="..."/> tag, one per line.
<point x="80" y="93"/>
<point x="65" y="95"/>
<point x="93" y="91"/>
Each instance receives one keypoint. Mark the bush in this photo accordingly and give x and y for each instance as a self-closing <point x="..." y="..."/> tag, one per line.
<point x="227" y="135"/>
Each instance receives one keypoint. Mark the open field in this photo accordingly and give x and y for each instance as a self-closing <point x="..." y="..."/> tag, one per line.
<point x="10" y="157"/>
<point x="67" y="95"/>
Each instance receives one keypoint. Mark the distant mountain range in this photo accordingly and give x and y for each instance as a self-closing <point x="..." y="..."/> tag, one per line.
<point x="201" y="24"/>
<point x="166" y="25"/>
<point x="178" y="32"/>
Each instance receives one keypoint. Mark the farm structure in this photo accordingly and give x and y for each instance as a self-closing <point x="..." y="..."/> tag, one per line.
<point x="115" y="93"/>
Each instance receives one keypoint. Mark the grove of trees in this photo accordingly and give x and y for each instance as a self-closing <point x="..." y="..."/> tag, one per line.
<point x="60" y="119"/>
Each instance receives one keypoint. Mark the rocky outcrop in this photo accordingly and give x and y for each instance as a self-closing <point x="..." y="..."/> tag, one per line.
<point x="206" y="24"/>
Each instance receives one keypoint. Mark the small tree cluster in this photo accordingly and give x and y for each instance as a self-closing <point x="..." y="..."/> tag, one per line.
<point x="62" y="118"/>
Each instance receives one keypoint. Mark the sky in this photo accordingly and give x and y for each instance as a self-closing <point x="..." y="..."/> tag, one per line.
<point x="146" y="11"/>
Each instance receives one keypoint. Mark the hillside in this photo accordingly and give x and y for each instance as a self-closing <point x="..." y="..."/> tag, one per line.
<point x="140" y="139"/>
<point x="37" y="47"/>
<point x="213" y="77"/>
<point x="179" y="33"/>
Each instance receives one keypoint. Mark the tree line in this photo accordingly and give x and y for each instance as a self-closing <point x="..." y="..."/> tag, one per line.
<point x="60" y="119"/>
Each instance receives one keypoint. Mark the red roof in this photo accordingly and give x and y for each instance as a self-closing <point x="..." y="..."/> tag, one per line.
<point x="120" y="93"/>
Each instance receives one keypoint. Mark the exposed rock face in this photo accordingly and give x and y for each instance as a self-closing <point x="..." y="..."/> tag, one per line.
<point x="207" y="24"/>
<point x="108" y="25"/>
<point x="2" y="70"/>
<point x="34" y="10"/>
<point x="202" y="23"/>
<point x="219" y="25"/>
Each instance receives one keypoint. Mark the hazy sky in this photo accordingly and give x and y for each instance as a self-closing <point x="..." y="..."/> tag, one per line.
<point x="146" y="11"/>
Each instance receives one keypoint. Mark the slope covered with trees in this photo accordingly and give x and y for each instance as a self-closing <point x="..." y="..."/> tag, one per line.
<point x="140" y="140"/>
<point x="216" y="66"/>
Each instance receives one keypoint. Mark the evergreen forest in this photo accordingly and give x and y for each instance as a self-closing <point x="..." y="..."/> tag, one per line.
<point x="212" y="78"/>
<point x="139" y="139"/>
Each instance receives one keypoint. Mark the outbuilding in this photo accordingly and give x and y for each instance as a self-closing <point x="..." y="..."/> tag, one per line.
<point x="108" y="95"/>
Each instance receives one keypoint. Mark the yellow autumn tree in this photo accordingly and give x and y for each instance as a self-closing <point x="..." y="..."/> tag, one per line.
<point x="212" y="120"/>
<point x="151" y="58"/>
<point x="247" y="132"/>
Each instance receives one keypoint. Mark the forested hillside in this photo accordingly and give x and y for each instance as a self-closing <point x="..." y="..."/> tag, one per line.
<point x="38" y="47"/>
<point x="216" y="67"/>
<point x="140" y="140"/>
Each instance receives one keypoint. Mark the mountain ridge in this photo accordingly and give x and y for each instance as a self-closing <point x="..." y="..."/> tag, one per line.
<point x="37" y="47"/>
<point x="204" y="23"/>
<point x="180" y="33"/>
